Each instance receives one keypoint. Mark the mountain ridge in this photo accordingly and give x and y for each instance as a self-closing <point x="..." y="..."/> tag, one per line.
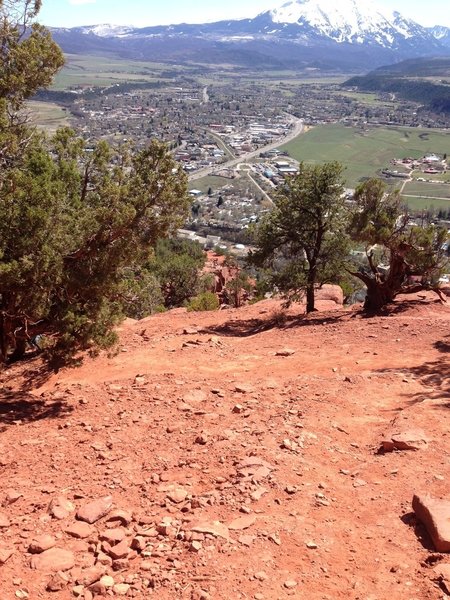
<point x="351" y="35"/>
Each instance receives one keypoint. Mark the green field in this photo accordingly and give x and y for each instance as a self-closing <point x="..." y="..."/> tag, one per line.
<point x="210" y="181"/>
<point x="432" y="204"/>
<point x="85" y="71"/>
<point x="420" y="188"/>
<point x="47" y="115"/>
<point x="365" y="151"/>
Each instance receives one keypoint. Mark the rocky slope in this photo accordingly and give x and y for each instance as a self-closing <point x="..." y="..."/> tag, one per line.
<point x="231" y="455"/>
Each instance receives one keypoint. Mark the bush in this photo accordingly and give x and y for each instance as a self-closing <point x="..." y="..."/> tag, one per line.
<point x="202" y="302"/>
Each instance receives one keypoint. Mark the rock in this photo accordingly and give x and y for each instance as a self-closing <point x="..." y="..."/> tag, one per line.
<point x="412" y="439"/>
<point x="91" y="575"/>
<point x="443" y="575"/>
<point x="244" y="388"/>
<point x="22" y="594"/>
<point x="121" y="589"/>
<point x="95" y="510"/>
<point x="120" y="550"/>
<point x="78" y="590"/>
<point x="290" y="584"/>
<point x="435" y="515"/>
<point x="285" y="352"/>
<point x="58" y="582"/>
<point x="113" y="536"/>
<point x="53" y="560"/>
<point x="177" y="495"/>
<point x="4" y="521"/>
<point x="123" y="516"/>
<point x="41" y="543"/>
<point x="242" y="523"/>
<point x="261" y="576"/>
<point x="195" y="546"/>
<point x="201" y="439"/>
<point x="12" y="496"/>
<point x="5" y="553"/>
<point x="80" y="530"/>
<point x="107" y="581"/>
<point x="215" y="528"/>
<point x="60" y="508"/>
<point x="311" y="545"/>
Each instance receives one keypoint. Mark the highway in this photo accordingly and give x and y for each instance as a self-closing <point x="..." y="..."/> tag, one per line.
<point x="296" y="131"/>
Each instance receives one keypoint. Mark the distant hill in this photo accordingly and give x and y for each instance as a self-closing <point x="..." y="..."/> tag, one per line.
<point x="423" y="80"/>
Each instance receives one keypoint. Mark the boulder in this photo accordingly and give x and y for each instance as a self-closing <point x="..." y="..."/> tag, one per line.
<point x="435" y="515"/>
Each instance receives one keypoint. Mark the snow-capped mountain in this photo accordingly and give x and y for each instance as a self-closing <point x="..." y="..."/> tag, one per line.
<point x="442" y="34"/>
<point x="324" y="34"/>
<point x="352" y="21"/>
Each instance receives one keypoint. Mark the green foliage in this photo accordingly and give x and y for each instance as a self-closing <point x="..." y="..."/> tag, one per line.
<point x="203" y="302"/>
<point x="177" y="264"/>
<point x="401" y="257"/>
<point x="237" y="288"/>
<point x="303" y="239"/>
<point x="142" y="295"/>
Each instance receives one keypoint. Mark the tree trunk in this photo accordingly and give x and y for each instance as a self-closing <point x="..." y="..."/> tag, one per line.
<point x="310" y="296"/>
<point x="3" y="339"/>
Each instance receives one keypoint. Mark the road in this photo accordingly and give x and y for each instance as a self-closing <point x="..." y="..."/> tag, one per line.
<point x="296" y="131"/>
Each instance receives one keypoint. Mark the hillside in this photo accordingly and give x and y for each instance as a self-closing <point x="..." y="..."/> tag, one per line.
<point x="424" y="80"/>
<point x="241" y="448"/>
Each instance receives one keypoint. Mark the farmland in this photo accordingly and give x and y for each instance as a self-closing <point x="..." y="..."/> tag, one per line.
<point x="365" y="151"/>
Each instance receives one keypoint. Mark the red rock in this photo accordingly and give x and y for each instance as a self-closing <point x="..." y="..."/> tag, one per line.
<point x="5" y="553"/>
<point x="412" y="439"/>
<point x="435" y="515"/>
<point x="215" y="528"/>
<point x="113" y="536"/>
<point x="60" y="508"/>
<point x="242" y="523"/>
<point x="91" y="575"/>
<point x="95" y="510"/>
<point x="80" y="530"/>
<point x="4" y="521"/>
<point x="53" y="560"/>
<point x="42" y="543"/>
<point x="120" y="550"/>
<point x="123" y="516"/>
<point x="177" y="495"/>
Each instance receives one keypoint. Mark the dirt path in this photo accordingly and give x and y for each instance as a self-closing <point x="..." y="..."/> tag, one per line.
<point x="243" y="445"/>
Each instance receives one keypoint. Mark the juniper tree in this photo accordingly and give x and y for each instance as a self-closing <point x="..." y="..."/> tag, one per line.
<point x="303" y="239"/>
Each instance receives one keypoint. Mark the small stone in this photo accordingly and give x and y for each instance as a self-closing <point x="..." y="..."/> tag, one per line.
<point x="121" y="589"/>
<point x="107" y="581"/>
<point x="290" y="584"/>
<point x="120" y="550"/>
<point x="359" y="483"/>
<point x="285" y="352"/>
<point x="58" y="582"/>
<point x="22" y="594"/>
<point x="78" y="590"/>
<point x="244" y="388"/>
<point x="177" y="495"/>
<point x="123" y="516"/>
<point x="201" y="439"/>
<point x="195" y="546"/>
<point x="91" y="575"/>
<point x="290" y="489"/>
<point x="238" y="409"/>
<point x="95" y="510"/>
<point x="435" y="515"/>
<point x="41" y="543"/>
<point x="60" y="508"/>
<point x="53" y="560"/>
<point x="12" y="496"/>
<point x="80" y="530"/>
<point x="4" y="521"/>
<point x="113" y="536"/>
<point x="311" y="545"/>
<point x="5" y="553"/>
<point x="261" y="576"/>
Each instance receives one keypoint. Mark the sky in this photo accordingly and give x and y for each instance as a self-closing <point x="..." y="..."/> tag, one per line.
<point x="142" y="13"/>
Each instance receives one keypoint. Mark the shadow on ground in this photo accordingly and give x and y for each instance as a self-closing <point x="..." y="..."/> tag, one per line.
<point x="249" y="327"/>
<point x="22" y="406"/>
